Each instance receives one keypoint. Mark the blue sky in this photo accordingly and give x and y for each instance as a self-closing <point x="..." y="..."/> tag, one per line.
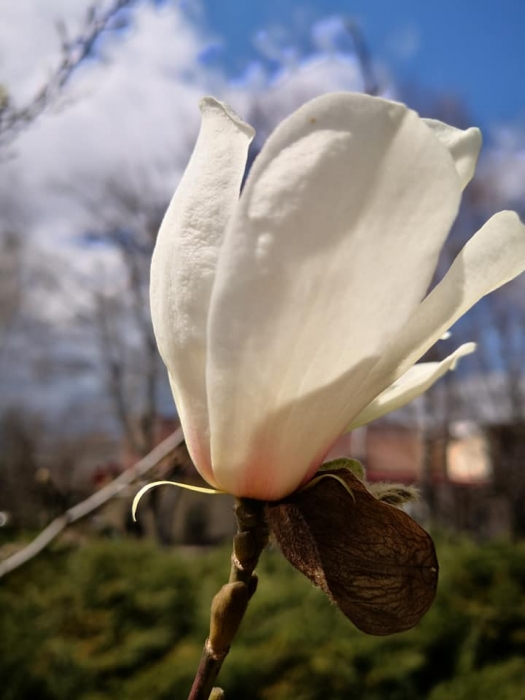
<point x="472" y="48"/>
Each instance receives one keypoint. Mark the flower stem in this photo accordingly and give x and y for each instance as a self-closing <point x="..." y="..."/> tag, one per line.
<point x="230" y="603"/>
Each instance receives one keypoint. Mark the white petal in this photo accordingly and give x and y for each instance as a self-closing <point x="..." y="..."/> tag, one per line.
<point x="464" y="146"/>
<point x="409" y="386"/>
<point x="334" y="244"/>
<point x="185" y="259"/>
<point x="492" y="257"/>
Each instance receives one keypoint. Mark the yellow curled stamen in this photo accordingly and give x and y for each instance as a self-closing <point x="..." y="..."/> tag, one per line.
<point x="148" y="487"/>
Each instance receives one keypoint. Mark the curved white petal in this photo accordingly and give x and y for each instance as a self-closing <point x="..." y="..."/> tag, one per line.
<point x="409" y="386"/>
<point x="333" y="245"/>
<point x="185" y="259"/>
<point x="492" y="257"/>
<point x="464" y="146"/>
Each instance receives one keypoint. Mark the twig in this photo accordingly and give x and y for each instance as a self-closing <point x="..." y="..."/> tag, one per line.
<point x="230" y="603"/>
<point x="370" y="81"/>
<point x="12" y="119"/>
<point x="92" y="503"/>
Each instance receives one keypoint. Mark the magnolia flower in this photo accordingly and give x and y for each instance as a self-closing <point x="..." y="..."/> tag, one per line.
<point x="296" y="311"/>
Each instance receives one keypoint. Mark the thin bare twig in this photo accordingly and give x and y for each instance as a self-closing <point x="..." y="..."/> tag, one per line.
<point x="370" y="81"/>
<point x="74" y="52"/>
<point x="92" y="503"/>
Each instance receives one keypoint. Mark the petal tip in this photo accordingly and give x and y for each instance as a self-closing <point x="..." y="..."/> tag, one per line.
<point x="209" y="103"/>
<point x="465" y="349"/>
<point x="511" y="215"/>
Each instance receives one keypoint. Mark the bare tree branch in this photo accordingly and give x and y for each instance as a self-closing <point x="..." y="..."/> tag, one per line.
<point x="92" y="503"/>
<point x="14" y="119"/>
<point x="370" y="81"/>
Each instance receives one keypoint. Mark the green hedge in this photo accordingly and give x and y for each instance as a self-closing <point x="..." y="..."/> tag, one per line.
<point x="120" y="619"/>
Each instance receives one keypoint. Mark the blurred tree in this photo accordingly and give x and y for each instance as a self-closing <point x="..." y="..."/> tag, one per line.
<point x="10" y="281"/>
<point x="20" y="496"/>
<point x="500" y="387"/>
<point x="128" y="217"/>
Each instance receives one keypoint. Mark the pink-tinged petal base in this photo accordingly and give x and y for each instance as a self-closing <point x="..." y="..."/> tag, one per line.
<point x="262" y="480"/>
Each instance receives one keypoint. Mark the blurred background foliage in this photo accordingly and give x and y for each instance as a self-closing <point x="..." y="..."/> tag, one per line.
<point x="117" y="619"/>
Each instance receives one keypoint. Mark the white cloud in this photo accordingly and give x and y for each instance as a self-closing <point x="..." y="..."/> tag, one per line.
<point x="139" y="103"/>
<point x="405" y="41"/>
<point x="130" y="117"/>
<point x="29" y="41"/>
